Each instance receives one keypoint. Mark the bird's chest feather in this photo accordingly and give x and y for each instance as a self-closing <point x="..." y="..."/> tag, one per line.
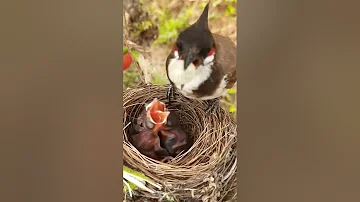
<point x="190" y="79"/>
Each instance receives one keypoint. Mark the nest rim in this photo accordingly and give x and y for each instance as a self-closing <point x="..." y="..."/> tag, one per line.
<point x="207" y="169"/>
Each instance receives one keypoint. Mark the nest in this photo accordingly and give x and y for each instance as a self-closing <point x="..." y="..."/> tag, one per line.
<point x="207" y="171"/>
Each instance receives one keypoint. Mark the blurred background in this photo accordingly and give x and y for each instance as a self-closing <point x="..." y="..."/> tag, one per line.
<point x="151" y="27"/>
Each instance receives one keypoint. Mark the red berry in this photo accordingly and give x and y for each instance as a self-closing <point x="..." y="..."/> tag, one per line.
<point x="127" y="60"/>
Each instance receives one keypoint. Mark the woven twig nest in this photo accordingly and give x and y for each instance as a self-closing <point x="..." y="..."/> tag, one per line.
<point x="207" y="171"/>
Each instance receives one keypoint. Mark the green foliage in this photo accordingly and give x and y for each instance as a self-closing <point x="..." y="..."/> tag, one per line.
<point x="171" y="23"/>
<point x="159" y="79"/>
<point x="135" y="54"/>
<point x="230" y="102"/>
<point x="131" y="185"/>
<point x="232" y="109"/>
<point x="139" y="27"/>
<point x="230" y="10"/>
<point x="231" y="91"/>
<point x="145" y="25"/>
<point x="131" y="75"/>
<point x="169" y="26"/>
<point x="169" y="198"/>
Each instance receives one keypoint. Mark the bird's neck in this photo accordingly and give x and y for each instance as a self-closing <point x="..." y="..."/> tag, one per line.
<point x="180" y="76"/>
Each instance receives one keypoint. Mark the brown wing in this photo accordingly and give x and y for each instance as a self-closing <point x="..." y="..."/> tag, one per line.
<point x="226" y="56"/>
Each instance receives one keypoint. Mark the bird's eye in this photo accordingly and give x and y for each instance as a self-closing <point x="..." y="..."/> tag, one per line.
<point x="204" y="52"/>
<point x="207" y="52"/>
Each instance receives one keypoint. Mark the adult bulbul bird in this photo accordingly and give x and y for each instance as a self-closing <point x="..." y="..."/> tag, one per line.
<point x="201" y="65"/>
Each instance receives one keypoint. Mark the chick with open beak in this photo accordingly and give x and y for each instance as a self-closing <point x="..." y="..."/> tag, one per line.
<point x="149" y="123"/>
<point x="157" y="115"/>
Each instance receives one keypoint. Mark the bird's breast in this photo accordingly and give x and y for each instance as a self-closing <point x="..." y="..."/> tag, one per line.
<point x="178" y="75"/>
<point x="190" y="79"/>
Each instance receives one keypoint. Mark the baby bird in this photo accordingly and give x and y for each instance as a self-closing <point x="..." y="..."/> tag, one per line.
<point x="149" y="123"/>
<point x="173" y="137"/>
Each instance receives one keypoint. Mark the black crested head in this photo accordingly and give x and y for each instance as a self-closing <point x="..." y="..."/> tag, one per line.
<point x="196" y="42"/>
<point x="202" y="22"/>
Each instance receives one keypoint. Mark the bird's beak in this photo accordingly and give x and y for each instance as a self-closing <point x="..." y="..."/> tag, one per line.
<point x="157" y="114"/>
<point x="159" y="119"/>
<point x="190" y="56"/>
<point x="155" y="105"/>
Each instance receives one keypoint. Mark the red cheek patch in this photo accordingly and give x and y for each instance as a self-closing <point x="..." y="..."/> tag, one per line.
<point x="175" y="47"/>
<point x="212" y="51"/>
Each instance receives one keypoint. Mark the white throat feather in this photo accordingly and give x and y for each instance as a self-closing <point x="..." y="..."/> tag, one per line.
<point x="191" y="78"/>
